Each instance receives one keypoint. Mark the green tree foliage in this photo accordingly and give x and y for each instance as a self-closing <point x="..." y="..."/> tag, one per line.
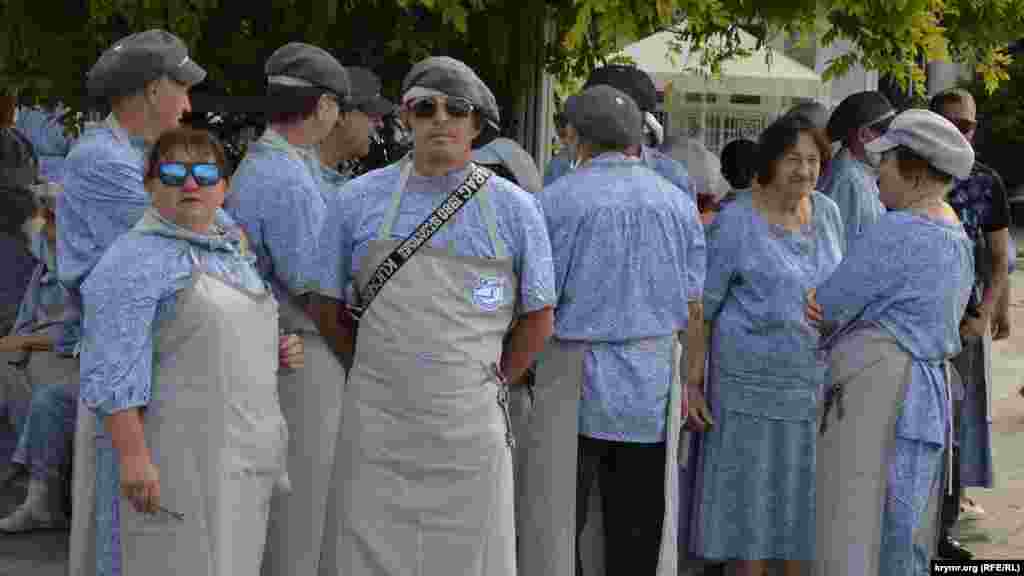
<point x="47" y="46"/>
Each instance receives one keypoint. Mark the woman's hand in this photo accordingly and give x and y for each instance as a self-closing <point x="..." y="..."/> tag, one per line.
<point x="815" y="313"/>
<point x="972" y="327"/>
<point x="292" y="354"/>
<point x="698" y="418"/>
<point x="140" y="483"/>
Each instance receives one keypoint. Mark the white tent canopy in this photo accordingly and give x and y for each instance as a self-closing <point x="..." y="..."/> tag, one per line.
<point x="758" y="74"/>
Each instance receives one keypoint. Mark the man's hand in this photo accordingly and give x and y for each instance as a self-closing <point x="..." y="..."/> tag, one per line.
<point x="974" y="326"/>
<point x="1001" y="325"/>
<point x="140" y="483"/>
<point x="698" y="418"/>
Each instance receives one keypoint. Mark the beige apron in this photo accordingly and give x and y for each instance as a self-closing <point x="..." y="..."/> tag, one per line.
<point x="853" y="469"/>
<point x="546" y="472"/>
<point x="215" y="432"/>
<point x="425" y="439"/>
<point x="82" y="542"/>
<point x="311" y="401"/>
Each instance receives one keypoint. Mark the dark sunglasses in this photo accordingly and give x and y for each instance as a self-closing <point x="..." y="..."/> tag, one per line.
<point x="426" y="107"/>
<point x="964" y="125"/>
<point x="175" y="173"/>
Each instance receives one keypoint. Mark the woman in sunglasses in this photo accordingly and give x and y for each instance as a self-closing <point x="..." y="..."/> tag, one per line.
<point x="181" y="354"/>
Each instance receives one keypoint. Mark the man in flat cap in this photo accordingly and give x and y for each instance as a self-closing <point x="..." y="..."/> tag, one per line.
<point x="853" y="180"/>
<point x="276" y="197"/>
<point x="638" y="85"/>
<point x="352" y="135"/>
<point x="629" y="259"/>
<point x="145" y="78"/>
<point x="980" y="202"/>
<point x="442" y="256"/>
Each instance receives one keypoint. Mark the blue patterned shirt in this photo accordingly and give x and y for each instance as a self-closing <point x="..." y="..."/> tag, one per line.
<point x="357" y="212"/>
<point x="664" y="165"/>
<point x="629" y="254"/>
<point x="276" y="197"/>
<point x="104" y="196"/>
<point x="132" y="291"/>
<point x="912" y="276"/>
<point x="855" y="190"/>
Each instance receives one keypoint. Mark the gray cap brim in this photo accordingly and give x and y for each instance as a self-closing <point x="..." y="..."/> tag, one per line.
<point x="188" y="73"/>
<point x="376" y="107"/>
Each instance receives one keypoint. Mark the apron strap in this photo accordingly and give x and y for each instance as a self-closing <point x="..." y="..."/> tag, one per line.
<point x="482" y="198"/>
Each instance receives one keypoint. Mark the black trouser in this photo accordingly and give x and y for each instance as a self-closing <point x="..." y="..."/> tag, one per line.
<point x="951" y="502"/>
<point x="632" y="481"/>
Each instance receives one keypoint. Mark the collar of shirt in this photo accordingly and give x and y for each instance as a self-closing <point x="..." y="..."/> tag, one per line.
<point x="153" y="223"/>
<point x="122" y="135"/>
<point x="614" y="158"/>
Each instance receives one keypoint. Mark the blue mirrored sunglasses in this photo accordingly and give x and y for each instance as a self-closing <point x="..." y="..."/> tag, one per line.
<point x="175" y="173"/>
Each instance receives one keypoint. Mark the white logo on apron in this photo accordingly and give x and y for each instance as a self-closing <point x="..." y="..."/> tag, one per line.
<point x="489" y="293"/>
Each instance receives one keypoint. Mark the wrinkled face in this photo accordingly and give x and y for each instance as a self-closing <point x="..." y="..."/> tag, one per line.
<point x="963" y="115"/>
<point x="797" y="171"/>
<point x="168" y="102"/>
<point x="443" y="128"/>
<point x="187" y="190"/>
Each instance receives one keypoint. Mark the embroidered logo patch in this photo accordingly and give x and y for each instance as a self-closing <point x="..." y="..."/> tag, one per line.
<point x="489" y="293"/>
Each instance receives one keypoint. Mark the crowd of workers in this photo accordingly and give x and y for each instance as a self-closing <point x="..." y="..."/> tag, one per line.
<point x="451" y="365"/>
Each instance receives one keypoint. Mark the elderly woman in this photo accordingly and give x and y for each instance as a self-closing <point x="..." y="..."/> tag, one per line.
<point x="180" y="358"/>
<point x="891" y="314"/>
<point x="44" y="442"/>
<point x="766" y="252"/>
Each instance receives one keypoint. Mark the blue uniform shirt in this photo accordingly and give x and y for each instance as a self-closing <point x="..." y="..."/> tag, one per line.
<point x="276" y="197"/>
<point x="359" y="210"/>
<point x="661" y="163"/>
<point x="912" y="276"/>
<point x="629" y="254"/>
<point x="855" y="191"/>
<point x="103" y="197"/>
<point x="43" y="294"/>
<point x="132" y="291"/>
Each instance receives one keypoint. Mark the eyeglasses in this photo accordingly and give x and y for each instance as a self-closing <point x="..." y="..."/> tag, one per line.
<point x="426" y="107"/>
<point x="964" y="125"/>
<point x="176" y="173"/>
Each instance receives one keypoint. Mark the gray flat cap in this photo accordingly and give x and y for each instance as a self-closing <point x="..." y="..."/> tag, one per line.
<point x="366" y="92"/>
<point x="304" y="65"/>
<point x="134" y="61"/>
<point x="508" y="153"/>
<point x="931" y="137"/>
<point x="814" y="112"/>
<point x="454" y="78"/>
<point x="606" y="116"/>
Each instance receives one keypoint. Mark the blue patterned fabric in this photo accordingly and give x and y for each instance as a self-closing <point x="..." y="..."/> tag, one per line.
<point x="654" y="159"/>
<point x="103" y="198"/>
<point x="43" y="293"/>
<point x="132" y="292"/>
<point x="629" y="254"/>
<point x="669" y="169"/>
<point x="913" y="472"/>
<point x="358" y="211"/>
<point x="558" y="166"/>
<point x="45" y="441"/>
<point x="917" y="292"/>
<point x="276" y="197"/>
<point x="44" y="129"/>
<point x="755" y="494"/>
<point x="855" y="190"/>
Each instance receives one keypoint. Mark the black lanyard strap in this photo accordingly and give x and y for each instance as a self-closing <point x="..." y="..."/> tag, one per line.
<point x="458" y="198"/>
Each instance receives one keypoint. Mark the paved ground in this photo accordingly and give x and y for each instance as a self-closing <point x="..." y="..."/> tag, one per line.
<point x="998" y="535"/>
